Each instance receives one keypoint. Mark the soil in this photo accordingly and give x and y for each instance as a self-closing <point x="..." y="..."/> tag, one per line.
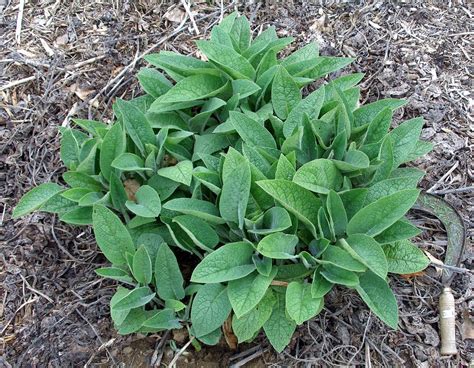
<point x="72" y="59"/>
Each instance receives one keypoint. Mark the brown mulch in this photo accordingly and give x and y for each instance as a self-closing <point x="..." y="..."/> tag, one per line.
<point x="73" y="58"/>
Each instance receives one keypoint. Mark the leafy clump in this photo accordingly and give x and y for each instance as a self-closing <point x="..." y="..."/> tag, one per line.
<point x="223" y="192"/>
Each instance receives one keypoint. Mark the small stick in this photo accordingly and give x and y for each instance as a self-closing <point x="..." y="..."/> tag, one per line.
<point x="190" y="14"/>
<point x="443" y="177"/>
<point x="279" y="283"/>
<point x="179" y="353"/>
<point x="454" y="190"/>
<point x="19" y="20"/>
<point x="85" y="62"/>
<point x="17" y="82"/>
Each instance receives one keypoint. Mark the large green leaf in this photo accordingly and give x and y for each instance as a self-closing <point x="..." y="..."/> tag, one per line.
<point x="403" y="257"/>
<point x="251" y="132"/>
<point x="192" y="88"/>
<point x="36" y="198"/>
<point x="111" y="235"/>
<point x="377" y="295"/>
<point x="230" y="262"/>
<point x="136" y="125"/>
<point x="285" y="93"/>
<point x="148" y="203"/>
<point x="247" y="326"/>
<point x="300" y="304"/>
<point x="279" y="328"/>
<point x="381" y="214"/>
<point x="168" y="277"/>
<point x="319" y="176"/>
<point x="228" y="59"/>
<point x="245" y="293"/>
<point x="236" y="178"/>
<point x="278" y="246"/>
<point x="182" y="172"/>
<point x="210" y="309"/>
<point x="299" y="201"/>
<point x="367" y="251"/>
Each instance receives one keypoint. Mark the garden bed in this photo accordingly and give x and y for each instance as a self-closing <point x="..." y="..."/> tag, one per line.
<point x="74" y="60"/>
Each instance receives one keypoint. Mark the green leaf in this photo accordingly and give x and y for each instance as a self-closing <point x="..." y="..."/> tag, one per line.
<point x="244" y="88"/>
<point x="405" y="138"/>
<point x="35" y="198"/>
<point x="230" y="262"/>
<point x="113" y="145"/>
<point x="379" y="126"/>
<point x="353" y="200"/>
<point x="80" y="180"/>
<point x="196" y="207"/>
<point x="195" y="87"/>
<point x="285" y="93"/>
<point x="210" y="309"/>
<point x="203" y="235"/>
<point x="133" y="321"/>
<point x="118" y="316"/>
<point x="164" y="319"/>
<point x="367" y="251"/>
<point x="77" y="216"/>
<point x="248" y="325"/>
<point x="129" y="162"/>
<point x="279" y="328"/>
<point x="300" y="304"/>
<point x="111" y="235"/>
<point x="273" y="220"/>
<point x="285" y="169"/>
<point x="340" y="276"/>
<point x="365" y="114"/>
<point x="75" y="194"/>
<point x="381" y="214"/>
<point x="236" y="178"/>
<point x="135" y="298"/>
<point x="115" y="273"/>
<point x="148" y="203"/>
<point x="240" y="33"/>
<point x="354" y="160"/>
<point x="337" y="213"/>
<point x="319" y="176"/>
<point x="328" y="64"/>
<point x="118" y="195"/>
<point x="153" y="82"/>
<point x="320" y="286"/>
<point x="376" y="293"/>
<point x="403" y="257"/>
<point x="142" y="270"/>
<point x="69" y="151"/>
<point x="421" y="149"/>
<point x="227" y="59"/>
<point x="179" y="66"/>
<point x="245" y="293"/>
<point x="386" y="187"/>
<point x="58" y="204"/>
<point x="136" y="125"/>
<point x="278" y="246"/>
<point x="310" y="106"/>
<point x="400" y="230"/>
<point x="251" y="132"/>
<point x="182" y="172"/>
<point x="168" y="278"/>
<point x="340" y="258"/>
<point x="299" y="201"/>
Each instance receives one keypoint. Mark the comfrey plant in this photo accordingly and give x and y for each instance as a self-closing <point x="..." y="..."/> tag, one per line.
<point x="223" y="193"/>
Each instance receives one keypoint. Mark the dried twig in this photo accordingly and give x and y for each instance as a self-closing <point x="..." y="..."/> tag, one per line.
<point x="17" y="82"/>
<point x="19" y="21"/>
<point x="190" y="15"/>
